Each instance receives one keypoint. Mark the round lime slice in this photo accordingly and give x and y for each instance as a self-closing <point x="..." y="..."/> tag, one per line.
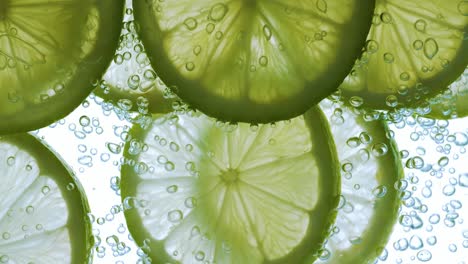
<point x="370" y="167"/>
<point x="253" y="61"/>
<point x="414" y="50"/>
<point x="51" y="53"/>
<point x="130" y="79"/>
<point x="231" y="194"/>
<point x="42" y="209"/>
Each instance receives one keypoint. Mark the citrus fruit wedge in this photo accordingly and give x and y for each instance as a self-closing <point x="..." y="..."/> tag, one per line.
<point x="370" y="167"/>
<point x="50" y="54"/>
<point x="42" y="209"/>
<point x="253" y="61"/>
<point x="231" y="194"/>
<point x="130" y="79"/>
<point x="453" y="102"/>
<point x="414" y="50"/>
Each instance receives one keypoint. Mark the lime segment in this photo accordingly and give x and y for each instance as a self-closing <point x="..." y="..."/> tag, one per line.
<point x="414" y="50"/>
<point x="42" y="211"/>
<point x="203" y="190"/>
<point x="253" y="61"/>
<point x="370" y="167"/>
<point x="50" y="54"/>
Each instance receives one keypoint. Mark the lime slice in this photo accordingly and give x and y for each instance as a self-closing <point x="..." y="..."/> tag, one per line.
<point x="231" y="194"/>
<point x="253" y="61"/>
<point x="50" y="54"/>
<point x="453" y="102"/>
<point x="414" y="50"/>
<point x="370" y="167"/>
<point x="130" y="80"/>
<point x="42" y="210"/>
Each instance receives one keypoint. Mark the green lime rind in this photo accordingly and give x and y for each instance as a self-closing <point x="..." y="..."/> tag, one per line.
<point x="259" y="73"/>
<point x="363" y="232"/>
<point x="413" y="52"/>
<point x="37" y="94"/>
<point x="65" y="187"/>
<point x="452" y="103"/>
<point x="130" y="76"/>
<point x="157" y="242"/>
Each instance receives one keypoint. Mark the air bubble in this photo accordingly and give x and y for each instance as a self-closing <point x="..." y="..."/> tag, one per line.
<point x="45" y="190"/>
<point x="189" y="66"/>
<point x="388" y="57"/>
<point x="169" y="166"/>
<point x="420" y="25"/>
<point x="190" y="202"/>
<point x="431" y="48"/>
<point x="267" y="32"/>
<point x="443" y="161"/>
<point x="197" y="50"/>
<point x="416" y="242"/>
<point x="321" y="6"/>
<point x="380" y="191"/>
<point x="418" y="44"/>
<point x="386" y="18"/>
<point x="210" y="28"/>
<point x="191" y="23"/>
<point x="218" y="11"/>
<point x="448" y="190"/>
<point x="434" y="219"/>
<point x="461" y="139"/>
<point x="372" y="46"/>
<point x="172" y="189"/>
<point x="463" y="179"/>
<point x="263" y="61"/>
<point x="30" y="209"/>
<point x="200" y="255"/>
<point x="6" y="235"/>
<point x="379" y="149"/>
<point x="70" y="186"/>
<point x="452" y="248"/>
<point x="424" y="255"/>
<point x="353" y="142"/>
<point x="11" y="161"/>
<point x="84" y="121"/>
<point x="175" y="216"/>
<point x="404" y="76"/>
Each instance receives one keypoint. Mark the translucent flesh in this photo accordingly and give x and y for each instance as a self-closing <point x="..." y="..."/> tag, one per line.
<point x="35" y="206"/>
<point x="51" y="52"/>
<point x="414" y="49"/>
<point x="258" y="201"/>
<point x="230" y="57"/>
<point x="369" y="203"/>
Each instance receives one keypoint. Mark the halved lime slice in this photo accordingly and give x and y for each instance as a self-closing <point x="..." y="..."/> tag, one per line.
<point x="253" y="61"/>
<point x="453" y="103"/>
<point x="50" y="54"/>
<point x="414" y="50"/>
<point x="42" y="209"/>
<point x="232" y="194"/>
<point x="370" y="167"/>
<point x="130" y="79"/>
